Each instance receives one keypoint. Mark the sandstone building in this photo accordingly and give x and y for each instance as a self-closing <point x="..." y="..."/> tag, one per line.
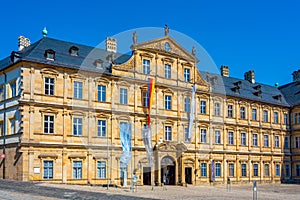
<point x="62" y="105"/>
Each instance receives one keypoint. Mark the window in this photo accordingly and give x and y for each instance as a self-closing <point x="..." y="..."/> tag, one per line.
<point x="266" y="141"/>
<point x="167" y="71"/>
<point x="255" y="170"/>
<point x="242" y="113"/>
<point x="231" y="169"/>
<point x="187" y="75"/>
<point x="287" y="170"/>
<point x="286" y="119"/>
<point x="145" y="99"/>
<point x="276" y="138"/>
<point x="243" y="139"/>
<point x="186" y="135"/>
<point x="230" y="111"/>
<point x="50" y="54"/>
<point x="48" y="169"/>
<point x="203" y="136"/>
<point x="218" y="169"/>
<point x="73" y="51"/>
<point x="266" y="116"/>
<point x="254" y="140"/>
<point x="1" y="93"/>
<point x="123" y="96"/>
<point x="230" y="138"/>
<point x="244" y="170"/>
<point x="101" y="93"/>
<point x="48" y="124"/>
<point x="203" y="170"/>
<point x="49" y="86"/>
<point x="187" y="104"/>
<point x="101" y="169"/>
<point x="295" y="118"/>
<point x="275" y="117"/>
<point x="12" y="89"/>
<point x="168" y="102"/>
<point x="217" y="137"/>
<point x="297" y="141"/>
<point x="101" y="128"/>
<point x="168" y="133"/>
<point x="1" y="128"/>
<point x="286" y="142"/>
<point x="77" y="90"/>
<point x="277" y="170"/>
<point x="146" y="66"/>
<point x="77" y="126"/>
<point x="254" y="114"/>
<point x="77" y="169"/>
<point x="12" y="126"/>
<point x="266" y="170"/>
<point x="203" y="107"/>
<point x="217" y="109"/>
<point x="297" y="170"/>
<point x="99" y="64"/>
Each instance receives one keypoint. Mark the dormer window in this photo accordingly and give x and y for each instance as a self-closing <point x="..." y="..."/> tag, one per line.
<point x="277" y="97"/>
<point x="98" y="64"/>
<point x="258" y="87"/>
<point x="50" y="54"/>
<point x="73" y="51"/>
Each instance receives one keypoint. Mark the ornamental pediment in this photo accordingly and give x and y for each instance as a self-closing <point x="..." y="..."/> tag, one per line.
<point x="167" y="45"/>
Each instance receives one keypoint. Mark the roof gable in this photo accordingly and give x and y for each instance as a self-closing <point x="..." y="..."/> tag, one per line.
<point x="167" y="45"/>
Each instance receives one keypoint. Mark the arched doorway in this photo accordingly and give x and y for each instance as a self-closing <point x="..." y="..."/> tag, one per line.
<point x="168" y="170"/>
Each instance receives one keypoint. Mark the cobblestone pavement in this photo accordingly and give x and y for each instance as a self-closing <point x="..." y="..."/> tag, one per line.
<point x="28" y="190"/>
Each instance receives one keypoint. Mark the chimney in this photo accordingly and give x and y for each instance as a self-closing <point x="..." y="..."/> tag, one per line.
<point x="296" y="75"/>
<point x="23" y="42"/>
<point x="225" y="71"/>
<point x="111" y="44"/>
<point x="249" y="76"/>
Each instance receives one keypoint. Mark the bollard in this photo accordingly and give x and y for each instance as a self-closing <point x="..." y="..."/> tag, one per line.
<point x="254" y="191"/>
<point x="228" y="185"/>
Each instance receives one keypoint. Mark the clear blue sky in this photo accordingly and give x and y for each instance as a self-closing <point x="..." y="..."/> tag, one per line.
<point x="262" y="35"/>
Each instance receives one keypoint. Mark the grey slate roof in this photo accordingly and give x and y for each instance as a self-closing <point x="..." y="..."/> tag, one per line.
<point x="244" y="89"/>
<point x="84" y="61"/>
<point x="291" y="92"/>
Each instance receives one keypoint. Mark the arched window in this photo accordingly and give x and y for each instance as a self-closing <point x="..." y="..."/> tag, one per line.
<point x="50" y="54"/>
<point x="73" y="51"/>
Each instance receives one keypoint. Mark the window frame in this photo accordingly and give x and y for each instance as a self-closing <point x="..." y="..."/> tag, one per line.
<point x="123" y="96"/>
<point x="243" y="139"/>
<point x="79" y="126"/>
<point x="187" y="104"/>
<point x="266" y="140"/>
<point x="101" y="94"/>
<point x="168" y="133"/>
<point x="217" y="137"/>
<point x="100" y="128"/>
<point x="203" y="136"/>
<point x="242" y="112"/>
<point x="203" y="170"/>
<point x="217" y="109"/>
<point x="146" y="66"/>
<point x="265" y="116"/>
<point x="187" y="74"/>
<point x="49" y="87"/>
<point x="203" y="107"/>
<point x="276" y="117"/>
<point x="100" y="168"/>
<point x="167" y="70"/>
<point x="230" y="111"/>
<point x="77" y="169"/>
<point x="254" y="114"/>
<point x="48" y="123"/>
<point x="243" y="170"/>
<point x="230" y="138"/>
<point x="255" y="139"/>
<point x="49" y="168"/>
<point x="78" y="90"/>
<point x="168" y="102"/>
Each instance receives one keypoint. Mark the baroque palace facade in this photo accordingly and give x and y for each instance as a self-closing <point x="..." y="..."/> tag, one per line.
<point x="62" y="104"/>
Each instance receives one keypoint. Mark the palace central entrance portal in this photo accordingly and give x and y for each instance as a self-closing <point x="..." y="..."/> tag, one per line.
<point x="168" y="170"/>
